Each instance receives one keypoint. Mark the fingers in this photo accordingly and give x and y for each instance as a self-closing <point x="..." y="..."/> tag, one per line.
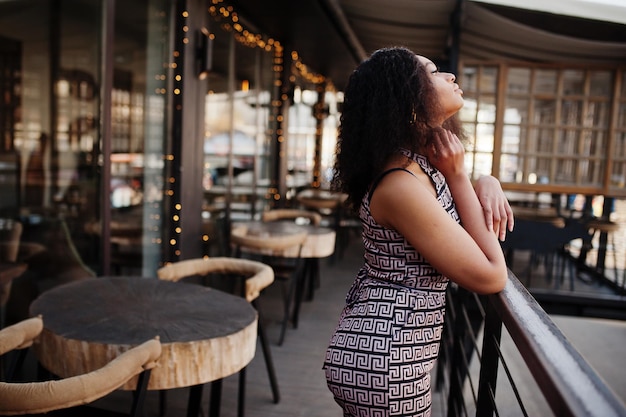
<point x="446" y="153"/>
<point x="445" y="144"/>
<point x="509" y="216"/>
<point x="489" y="218"/>
<point x="495" y="221"/>
<point x="501" y="220"/>
<point x="497" y="210"/>
<point x="498" y="216"/>
<point x="504" y="219"/>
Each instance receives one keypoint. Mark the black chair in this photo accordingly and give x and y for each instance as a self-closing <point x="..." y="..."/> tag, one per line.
<point x="240" y="276"/>
<point x="283" y="254"/>
<point x="546" y="241"/>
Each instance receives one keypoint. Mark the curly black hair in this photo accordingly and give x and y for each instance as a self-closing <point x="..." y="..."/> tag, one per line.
<point x="388" y="104"/>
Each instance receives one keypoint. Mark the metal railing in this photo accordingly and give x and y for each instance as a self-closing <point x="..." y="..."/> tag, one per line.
<point x="472" y="355"/>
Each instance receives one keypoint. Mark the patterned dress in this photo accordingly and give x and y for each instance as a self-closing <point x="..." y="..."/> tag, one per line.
<point x="379" y="359"/>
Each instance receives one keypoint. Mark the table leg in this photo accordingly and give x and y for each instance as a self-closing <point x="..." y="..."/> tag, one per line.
<point x="312" y="277"/>
<point x="216" y="398"/>
<point x="195" y="397"/>
<point x="241" y="398"/>
<point x="162" y="403"/>
<point x="139" y="394"/>
<point x="267" y="353"/>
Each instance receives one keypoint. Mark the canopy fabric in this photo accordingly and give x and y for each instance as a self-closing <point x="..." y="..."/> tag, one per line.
<point x="333" y="36"/>
<point x="486" y="35"/>
<point x="602" y="10"/>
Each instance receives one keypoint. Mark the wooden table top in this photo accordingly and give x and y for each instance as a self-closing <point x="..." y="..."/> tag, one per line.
<point x="320" y="199"/>
<point x="206" y="334"/>
<point x="319" y="243"/>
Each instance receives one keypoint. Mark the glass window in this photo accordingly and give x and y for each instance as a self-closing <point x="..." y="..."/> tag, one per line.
<point x="597" y="114"/>
<point x="53" y="126"/>
<point x="469" y="111"/>
<point x="621" y="115"/>
<point x="545" y="81"/>
<point x="518" y="80"/>
<point x="489" y="79"/>
<point x="573" y="82"/>
<point x="516" y="110"/>
<point x="484" y="137"/>
<point x="330" y="133"/>
<point x="487" y="109"/>
<point x="302" y="136"/>
<point x="240" y="118"/>
<point x="571" y="112"/>
<point x="567" y="143"/>
<point x="543" y="140"/>
<point x="601" y="83"/>
<point x="49" y="124"/>
<point x="470" y="80"/>
<point x="470" y="131"/>
<point x="479" y="116"/>
<point x="549" y="135"/>
<point x="483" y="164"/>
<point x="511" y="139"/>
<point x="544" y="112"/>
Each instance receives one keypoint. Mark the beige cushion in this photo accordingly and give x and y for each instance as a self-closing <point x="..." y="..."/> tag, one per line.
<point x="259" y="275"/>
<point x="20" y="335"/>
<point x="41" y="397"/>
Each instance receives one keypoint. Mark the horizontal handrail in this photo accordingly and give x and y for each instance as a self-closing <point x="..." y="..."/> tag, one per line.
<point x="570" y="385"/>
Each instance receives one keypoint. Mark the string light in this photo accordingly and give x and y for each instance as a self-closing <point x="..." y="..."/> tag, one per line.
<point x="230" y="22"/>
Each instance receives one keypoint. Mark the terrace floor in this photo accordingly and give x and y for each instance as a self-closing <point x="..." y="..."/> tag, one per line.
<point x="299" y="360"/>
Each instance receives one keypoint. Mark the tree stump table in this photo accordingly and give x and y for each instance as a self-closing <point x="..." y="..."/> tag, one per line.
<point x="206" y="334"/>
<point x="319" y="243"/>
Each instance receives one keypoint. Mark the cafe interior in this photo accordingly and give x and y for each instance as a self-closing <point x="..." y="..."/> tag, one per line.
<point x="148" y="138"/>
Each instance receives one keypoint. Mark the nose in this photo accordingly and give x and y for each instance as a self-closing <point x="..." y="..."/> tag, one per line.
<point x="452" y="77"/>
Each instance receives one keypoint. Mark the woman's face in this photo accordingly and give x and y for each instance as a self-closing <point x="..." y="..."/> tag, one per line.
<point x="449" y="94"/>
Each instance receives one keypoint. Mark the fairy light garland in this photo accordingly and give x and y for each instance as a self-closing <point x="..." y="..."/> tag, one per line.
<point x="230" y="22"/>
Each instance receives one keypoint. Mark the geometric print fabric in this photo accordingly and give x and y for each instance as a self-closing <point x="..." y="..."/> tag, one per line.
<point x="379" y="358"/>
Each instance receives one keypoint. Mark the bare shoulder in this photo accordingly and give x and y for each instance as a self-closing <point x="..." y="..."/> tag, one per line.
<point x="400" y="191"/>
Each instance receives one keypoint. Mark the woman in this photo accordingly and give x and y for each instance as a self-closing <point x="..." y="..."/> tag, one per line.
<point x="400" y="160"/>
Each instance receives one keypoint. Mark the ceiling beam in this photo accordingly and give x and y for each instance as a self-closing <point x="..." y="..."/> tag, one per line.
<point x="338" y="18"/>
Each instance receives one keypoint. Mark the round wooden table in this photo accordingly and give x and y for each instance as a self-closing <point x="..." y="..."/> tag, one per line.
<point x="313" y="198"/>
<point x="206" y="334"/>
<point x="319" y="242"/>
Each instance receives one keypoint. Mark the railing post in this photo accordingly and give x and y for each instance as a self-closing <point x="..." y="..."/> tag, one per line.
<point x="485" y="405"/>
<point x="459" y="330"/>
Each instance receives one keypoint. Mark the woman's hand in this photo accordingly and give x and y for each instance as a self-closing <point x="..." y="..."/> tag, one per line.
<point x="447" y="154"/>
<point x="498" y="212"/>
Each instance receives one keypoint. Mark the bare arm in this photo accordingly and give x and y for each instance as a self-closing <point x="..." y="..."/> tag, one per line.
<point x="496" y="207"/>
<point x="469" y="255"/>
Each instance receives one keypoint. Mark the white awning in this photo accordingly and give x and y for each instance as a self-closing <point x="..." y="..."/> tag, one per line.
<point x="602" y="10"/>
<point x="487" y="35"/>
